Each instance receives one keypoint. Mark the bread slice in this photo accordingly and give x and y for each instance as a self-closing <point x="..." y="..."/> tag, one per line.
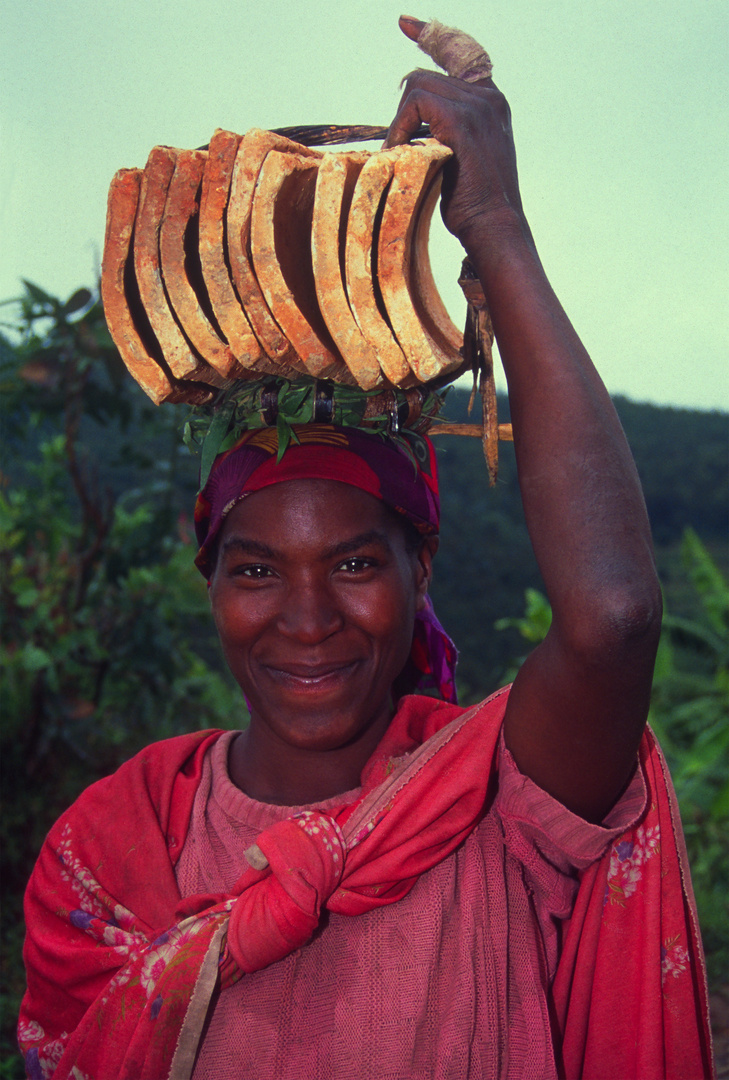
<point x="427" y="299"/>
<point x="283" y="206"/>
<point x="254" y="147"/>
<point x="335" y="185"/>
<point x="361" y="254"/>
<point x="178" y="354"/>
<point x="226" y="306"/>
<point x="125" y="316"/>
<point x="181" y="272"/>
<point x="430" y="352"/>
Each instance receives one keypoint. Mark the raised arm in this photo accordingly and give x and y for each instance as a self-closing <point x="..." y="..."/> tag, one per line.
<point x="579" y="704"/>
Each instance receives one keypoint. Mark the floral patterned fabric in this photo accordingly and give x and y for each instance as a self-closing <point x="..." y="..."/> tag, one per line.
<point x="634" y="930"/>
<point x="121" y="969"/>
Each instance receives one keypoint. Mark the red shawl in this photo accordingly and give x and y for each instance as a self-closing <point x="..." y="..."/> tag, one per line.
<point x="121" y="970"/>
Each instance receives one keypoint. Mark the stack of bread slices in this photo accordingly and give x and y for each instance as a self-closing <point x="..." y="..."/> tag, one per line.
<point x="262" y="256"/>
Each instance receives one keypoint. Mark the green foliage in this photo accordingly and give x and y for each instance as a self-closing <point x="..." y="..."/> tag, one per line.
<point x="690" y="716"/>
<point x="683" y="465"/>
<point x="532" y="626"/>
<point x="217" y="426"/>
<point x="106" y="641"/>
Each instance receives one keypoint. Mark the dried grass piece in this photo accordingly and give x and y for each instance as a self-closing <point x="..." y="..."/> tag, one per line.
<point x="283" y="206"/>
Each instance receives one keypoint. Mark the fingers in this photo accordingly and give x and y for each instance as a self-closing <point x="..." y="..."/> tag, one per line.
<point x="411" y="27"/>
<point x="457" y="53"/>
<point x="422" y="102"/>
<point x="440" y="101"/>
<point x="408" y="119"/>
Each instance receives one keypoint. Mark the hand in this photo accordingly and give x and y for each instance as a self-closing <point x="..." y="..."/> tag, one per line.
<point x="480" y="186"/>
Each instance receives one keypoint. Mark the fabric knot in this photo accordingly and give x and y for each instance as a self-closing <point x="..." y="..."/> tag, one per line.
<point x="278" y="913"/>
<point x="325" y="830"/>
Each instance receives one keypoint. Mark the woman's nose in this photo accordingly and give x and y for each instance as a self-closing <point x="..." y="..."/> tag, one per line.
<point x="310" y="614"/>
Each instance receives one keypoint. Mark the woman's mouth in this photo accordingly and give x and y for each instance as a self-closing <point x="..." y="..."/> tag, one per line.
<point x="303" y="677"/>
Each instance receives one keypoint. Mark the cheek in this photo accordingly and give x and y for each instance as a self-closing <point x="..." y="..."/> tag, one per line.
<point x="389" y="616"/>
<point x="236" y="619"/>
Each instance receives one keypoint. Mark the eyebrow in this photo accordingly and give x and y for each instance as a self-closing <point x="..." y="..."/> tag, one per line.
<point x="256" y="548"/>
<point x="345" y="547"/>
<point x="247" y="547"/>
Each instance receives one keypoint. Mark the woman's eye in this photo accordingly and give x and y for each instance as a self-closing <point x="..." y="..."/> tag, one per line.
<point x="356" y="564"/>
<point x="254" y="571"/>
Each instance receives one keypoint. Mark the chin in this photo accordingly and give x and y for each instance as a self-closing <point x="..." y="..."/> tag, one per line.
<point x="322" y="729"/>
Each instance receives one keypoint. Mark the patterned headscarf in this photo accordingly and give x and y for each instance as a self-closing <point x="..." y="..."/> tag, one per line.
<point x="402" y="473"/>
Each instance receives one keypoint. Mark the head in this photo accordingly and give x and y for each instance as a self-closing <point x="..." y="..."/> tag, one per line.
<point x="319" y="567"/>
<point x="315" y="594"/>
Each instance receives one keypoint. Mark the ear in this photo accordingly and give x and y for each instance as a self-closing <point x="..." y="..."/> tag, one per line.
<point x="424" y="569"/>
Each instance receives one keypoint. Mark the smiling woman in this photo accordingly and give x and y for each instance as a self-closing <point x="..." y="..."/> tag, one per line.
<point x="372" y="882"/>
<point x="314" y="596"/>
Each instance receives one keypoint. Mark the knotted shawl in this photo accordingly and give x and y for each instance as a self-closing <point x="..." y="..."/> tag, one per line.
<point x="121" y="969"/>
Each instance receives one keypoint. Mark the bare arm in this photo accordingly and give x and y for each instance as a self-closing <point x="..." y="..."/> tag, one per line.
<point x="579" y="703"/>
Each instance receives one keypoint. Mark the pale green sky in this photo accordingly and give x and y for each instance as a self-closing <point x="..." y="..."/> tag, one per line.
<point x="619" y="112"/>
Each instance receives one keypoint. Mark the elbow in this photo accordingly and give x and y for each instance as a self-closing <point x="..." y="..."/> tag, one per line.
<point x="621" y="626"/>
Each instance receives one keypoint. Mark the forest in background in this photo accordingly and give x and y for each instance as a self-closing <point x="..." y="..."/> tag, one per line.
<point x="107" y="644"/>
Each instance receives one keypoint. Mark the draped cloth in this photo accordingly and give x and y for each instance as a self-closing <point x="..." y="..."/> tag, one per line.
<point x="121" y="969"/>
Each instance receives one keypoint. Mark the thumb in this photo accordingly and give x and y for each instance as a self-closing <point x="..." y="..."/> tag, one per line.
<point x="457" y="53"/>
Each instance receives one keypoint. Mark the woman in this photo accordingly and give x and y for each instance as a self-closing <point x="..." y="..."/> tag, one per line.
<point x="366" y="884"/>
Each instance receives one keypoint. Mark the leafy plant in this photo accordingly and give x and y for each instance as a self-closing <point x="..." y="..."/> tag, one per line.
<point x="246" y="406"/>
<point x="106" y="641"/>
<point x="690" y="715"/>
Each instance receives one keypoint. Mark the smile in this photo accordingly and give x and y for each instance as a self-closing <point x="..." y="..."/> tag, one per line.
<point x="310" y="677"/>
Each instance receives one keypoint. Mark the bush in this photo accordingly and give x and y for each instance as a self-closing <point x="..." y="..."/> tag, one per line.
<point x="106" y="642"/>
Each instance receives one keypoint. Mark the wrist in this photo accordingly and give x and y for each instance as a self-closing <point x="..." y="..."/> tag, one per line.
<point x="489" y="235"/>
<point x="497" y="243"/>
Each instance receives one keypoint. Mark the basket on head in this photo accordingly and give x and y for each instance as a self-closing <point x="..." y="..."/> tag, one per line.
<point x="262" y="256"/>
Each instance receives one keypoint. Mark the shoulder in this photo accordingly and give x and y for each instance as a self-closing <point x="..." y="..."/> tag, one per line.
<point x="537" y="827"/>
<point x="123" y="836"/>
<point x="421" y="716"/>
<point x="158" y="782"/>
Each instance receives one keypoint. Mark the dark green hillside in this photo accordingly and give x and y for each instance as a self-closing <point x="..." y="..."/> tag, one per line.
<point x="485" y="561"/>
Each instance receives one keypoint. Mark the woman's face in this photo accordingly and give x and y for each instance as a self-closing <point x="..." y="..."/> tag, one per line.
<point x="314" y="596"/>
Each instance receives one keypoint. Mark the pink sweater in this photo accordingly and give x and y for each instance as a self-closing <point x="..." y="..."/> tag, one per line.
<point x="451" y="982"/>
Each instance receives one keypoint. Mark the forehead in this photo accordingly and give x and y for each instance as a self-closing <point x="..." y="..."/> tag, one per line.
<point x="319" y="512"/>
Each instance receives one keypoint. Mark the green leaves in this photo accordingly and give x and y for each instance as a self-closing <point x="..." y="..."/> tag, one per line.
<point x="33" y="659"/>
<point x="283" y="428"/>
<point x="283" y="403"/>
<point x="216" y="433"/>
<point x="106" y="641"/>
<point x="80" y="299"/>
<point x="535" y="622"/>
